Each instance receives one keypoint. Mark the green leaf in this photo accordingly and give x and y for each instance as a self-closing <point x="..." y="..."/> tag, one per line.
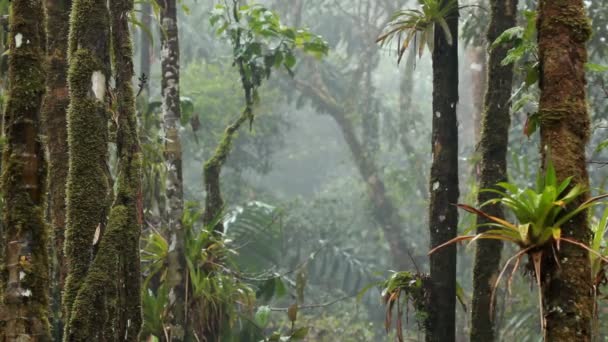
<point x="595" y="67"/>
<point x="532" y="74"/>
<point x="446" y="30"/>
<point x="299" y="334"/>
<point x="508" y="36"/>
<point x="290" y="60"/>
<point x="601" y="146"/>
<point x="460" y="295"/>
<point x="262" y="316"/>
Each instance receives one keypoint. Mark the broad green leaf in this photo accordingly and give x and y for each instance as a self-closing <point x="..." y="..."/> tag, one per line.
<point x="262" y="316"/>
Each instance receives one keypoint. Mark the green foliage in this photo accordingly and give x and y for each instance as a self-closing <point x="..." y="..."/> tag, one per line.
<point x="214" y="286"/>
<point x="598" y="245"/>
<point x="263" y="233"/>
<point x="261" y="43"/>
<point x="540" y="213"/>
<point x="418" y="25"/>
<point x="524" y="54"/>
<point x="401" y="289"/>
<point x="522" y="40"/>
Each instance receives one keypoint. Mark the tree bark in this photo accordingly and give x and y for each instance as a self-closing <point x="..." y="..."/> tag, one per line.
<point x="563" y="30"/>
<point x="444" y="192"/>
<point x="493" y="167"/>
<point x="54" y="113"/>
<point x="476" y="56"/>
<point x="24" y="276"/>
<point x="173" y="163"/>
<point x="145" y="42"/>
<point x="88" y="184"/>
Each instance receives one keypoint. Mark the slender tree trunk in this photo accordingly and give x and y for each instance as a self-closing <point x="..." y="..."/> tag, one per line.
<point x="405" y="126"/>
<point x="54" y="114"/>
<point x="371" y="125"/>
<point x="146" y="44"/>
<point x="493" y="167"/>
<point x="476" y="56"/>
<point x="24" y="276"/>
<point x="443" y="217"/>
<point x="563" y="30"/>
<point x="173" y="160"/>
<point x="88" y="184"/>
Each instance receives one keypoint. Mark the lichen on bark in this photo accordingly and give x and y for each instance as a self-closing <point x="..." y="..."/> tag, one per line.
<point x="24" y="275"/>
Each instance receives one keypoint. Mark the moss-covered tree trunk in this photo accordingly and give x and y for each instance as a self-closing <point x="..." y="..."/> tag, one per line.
<point x="24" y="276"/>
<point x="88" y="184"/>
<point x="563" y="30"/>
<point x="54" y="114"/>
<point x="173" y="161"/>
<point x="493" y="167"/>
<point x="443" y="217"/>
<point x="106" y="305"/>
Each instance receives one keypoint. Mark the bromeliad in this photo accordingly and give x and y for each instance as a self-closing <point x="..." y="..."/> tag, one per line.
<point x="540" y="214"/>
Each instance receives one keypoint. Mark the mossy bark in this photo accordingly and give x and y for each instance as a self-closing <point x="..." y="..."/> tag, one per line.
<point x="88" y="184"/>
<point x="54" y="114"/>
<point x="107" y="304"/>
<point x="24" y="276"/>
<point x="129" y="196"/>
<point x="173" y="162"/>
<point x="443" y="187"/>
<point x="563" y="30"/>
<point x="493" y="167"/>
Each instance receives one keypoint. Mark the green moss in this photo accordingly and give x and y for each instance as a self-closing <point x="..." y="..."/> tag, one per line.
<point x="88" y="183"/>
<point x="24" y="274"/>
<point x="572" y="17"/>
<point x="103" y="302"/>
<point x="572" y="113"/>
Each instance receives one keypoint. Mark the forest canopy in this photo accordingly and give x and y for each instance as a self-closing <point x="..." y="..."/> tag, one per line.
<point x="324" y="170"/>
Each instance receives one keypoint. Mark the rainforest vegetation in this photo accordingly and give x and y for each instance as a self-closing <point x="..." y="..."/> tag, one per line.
<point x="290" y="170"/>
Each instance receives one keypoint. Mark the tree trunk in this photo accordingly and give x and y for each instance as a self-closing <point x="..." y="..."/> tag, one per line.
<point x="55" y="125"/>
<point x="443" y="217"/>
<point x="371" y="124"/>
<point x="173" y="162"/>
<point x="24" y="276"/>
<point x="145" y="42"/>
<point x="384" y="210"/>
<point x="106" y="306"/>
<point x="493" y="167"/>
<point x="88" y="184"/>
<point x="406" y="112"/>
<point x="476" y="56"/>
<point x="563" y="30"/>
